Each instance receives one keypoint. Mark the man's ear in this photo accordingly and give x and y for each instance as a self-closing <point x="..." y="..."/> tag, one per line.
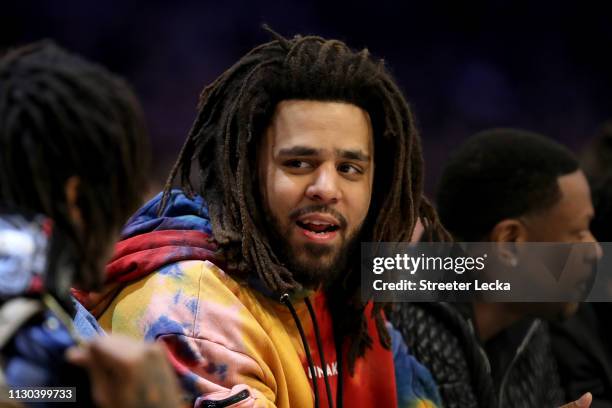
<point x="509" y="230"/>
<point x="71" y="190"/>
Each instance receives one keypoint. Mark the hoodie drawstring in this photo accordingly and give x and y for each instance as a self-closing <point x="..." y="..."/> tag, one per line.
<point x="284" y="299"/>
<point x="320" y="347"/>
<point x="338" y="344"/>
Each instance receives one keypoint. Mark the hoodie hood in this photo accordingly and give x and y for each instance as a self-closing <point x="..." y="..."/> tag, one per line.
<point x="150" y="241"/>
<point x="181" y="213"/>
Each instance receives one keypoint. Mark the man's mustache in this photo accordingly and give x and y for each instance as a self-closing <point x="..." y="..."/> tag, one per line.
<point x="318" y="208"/>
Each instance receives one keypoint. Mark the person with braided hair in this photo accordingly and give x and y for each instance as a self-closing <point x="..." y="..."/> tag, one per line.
<point x="73" y="166"/>
<point x="250" y="275"/>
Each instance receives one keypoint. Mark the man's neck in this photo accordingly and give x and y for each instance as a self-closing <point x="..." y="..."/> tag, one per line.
<point x="493" y="318"/>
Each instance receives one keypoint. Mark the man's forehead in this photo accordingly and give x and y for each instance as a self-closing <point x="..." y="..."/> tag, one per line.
<point x="321" y="125"/>
<point x="575" y="197"/>
<point x="575" y="189"/>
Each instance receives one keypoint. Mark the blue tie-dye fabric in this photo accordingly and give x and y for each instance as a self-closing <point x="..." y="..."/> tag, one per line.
<point x="414" y="382"/>
<point x="180" y="213"/>
<point x="84" y="323"/>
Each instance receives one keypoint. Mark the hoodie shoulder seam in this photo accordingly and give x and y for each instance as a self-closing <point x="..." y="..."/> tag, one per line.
<point x="197" y="312"/>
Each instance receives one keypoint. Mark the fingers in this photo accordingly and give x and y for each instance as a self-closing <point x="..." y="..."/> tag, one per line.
<point x="118" y="349"/>
<point x="78" y="355"/>
<point x="126" y="372"/>
<point x="101" y="378"/>
<point x="115" y="353"/>
<point x="582" y="402"/>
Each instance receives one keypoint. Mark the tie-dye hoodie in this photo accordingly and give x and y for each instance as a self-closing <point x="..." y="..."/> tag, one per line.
<point x="231" y="343"/>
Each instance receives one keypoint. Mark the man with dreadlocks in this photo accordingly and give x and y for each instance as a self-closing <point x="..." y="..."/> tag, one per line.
<point x="73" y="155"/>
<point x="304" y="148"/>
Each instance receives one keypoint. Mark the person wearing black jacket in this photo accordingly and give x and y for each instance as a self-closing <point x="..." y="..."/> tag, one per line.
<point x="505" y="371"/>
<point x="502" y="185"/>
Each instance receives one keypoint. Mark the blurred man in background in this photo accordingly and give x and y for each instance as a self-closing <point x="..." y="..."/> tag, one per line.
<point x="502" y="185"/>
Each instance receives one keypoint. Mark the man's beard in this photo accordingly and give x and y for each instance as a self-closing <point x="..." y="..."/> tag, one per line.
<point x="305" y="263"/>
<point x="309" y="270"/>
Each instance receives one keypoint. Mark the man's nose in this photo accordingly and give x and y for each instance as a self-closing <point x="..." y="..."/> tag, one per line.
<point x="325" y="185"/>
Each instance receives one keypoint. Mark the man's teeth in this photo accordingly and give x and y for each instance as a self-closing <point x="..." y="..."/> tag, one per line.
<point x="318" y="223"/>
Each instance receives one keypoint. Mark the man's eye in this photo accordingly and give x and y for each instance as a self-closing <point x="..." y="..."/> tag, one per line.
<point x="350" y="168"/>
<point x="297" y="164"/>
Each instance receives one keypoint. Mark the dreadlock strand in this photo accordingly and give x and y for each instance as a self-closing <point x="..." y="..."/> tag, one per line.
<point x="414" y="184"/>
<point x="281" y="40"/>
<point x="354" y="70"/>
<point x="381" y="328"/>
<point x="432" y="223"/>
<point x="393" y="200"/>
<point x="325" y="51"/>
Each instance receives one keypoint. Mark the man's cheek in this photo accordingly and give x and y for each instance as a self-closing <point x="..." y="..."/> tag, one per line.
<point x="361" y="215"/>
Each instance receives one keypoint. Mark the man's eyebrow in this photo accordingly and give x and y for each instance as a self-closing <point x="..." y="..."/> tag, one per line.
<point x="353" y="155"/>
<point x="299" y="151"/>
<point x="348" y="154"/>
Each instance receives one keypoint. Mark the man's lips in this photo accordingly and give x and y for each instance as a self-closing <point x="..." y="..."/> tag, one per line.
<point x="319" y="219"/>
<point x="318" y="227"/>
<point x="321" y="237"/>
<point x="319" y="223"/>
<point x="318" y="212"/>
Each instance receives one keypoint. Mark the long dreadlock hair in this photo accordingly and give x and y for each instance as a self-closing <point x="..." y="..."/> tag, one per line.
<point x="234" y="112"/>
<point x="61" y="116"/>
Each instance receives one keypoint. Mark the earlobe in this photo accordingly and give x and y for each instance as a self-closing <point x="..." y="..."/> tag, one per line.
<point x="71" y="191"/>
<point x="506" y="233"/>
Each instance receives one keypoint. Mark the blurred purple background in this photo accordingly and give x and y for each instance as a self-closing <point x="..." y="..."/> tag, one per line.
<point x="544" y="66"/>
